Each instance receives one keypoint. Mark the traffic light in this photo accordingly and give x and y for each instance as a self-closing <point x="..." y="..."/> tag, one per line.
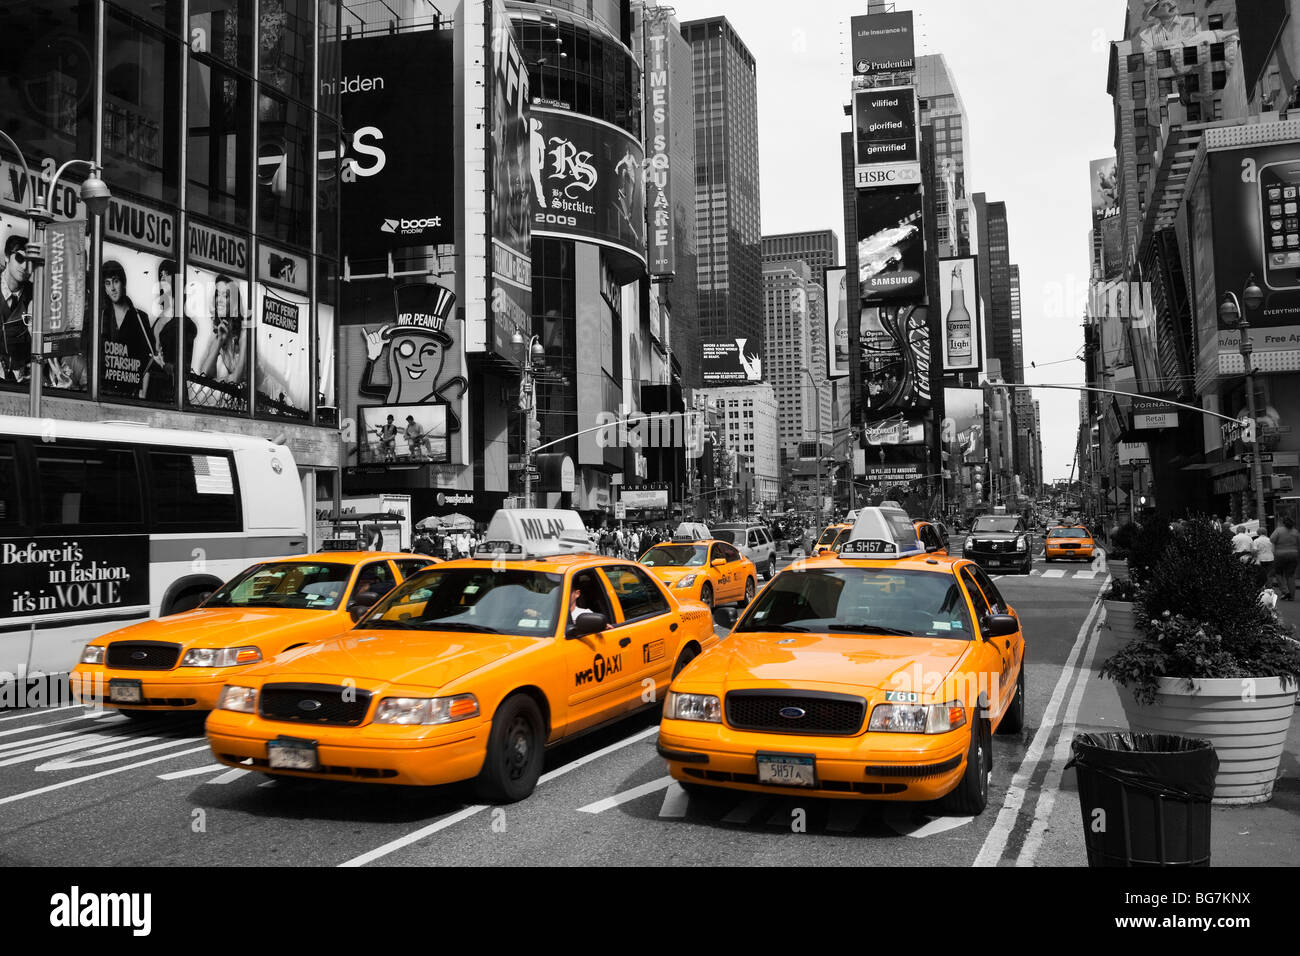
<point x="534" y="433"/>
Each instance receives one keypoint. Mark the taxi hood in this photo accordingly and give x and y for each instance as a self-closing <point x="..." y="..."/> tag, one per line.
<point x="419" y="658"/>
<point x="782" y="660"/>
<point x="225" y="626"/>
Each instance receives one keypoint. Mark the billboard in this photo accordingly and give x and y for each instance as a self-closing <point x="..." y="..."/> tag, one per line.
<point x="398" y="176"/>
<point x="734" y="361"/>
<point x="891" y="254"/>
<point x="886" y="151"/>
<point x="402" y="434"/>
<point x="1103" y="179"/>
<point x="882" y="43"/>
<point x="511" y="277"/>
<point x="661" y="253"/>
<point x="896" y="430"/>
<point x="837" y="323"/>
<point x="959" y="309"/>
<point x="963" y="425"/>
<point x="587" y="182"/>
<point x="895" y="365"/>
<point x="1169" y="24"/>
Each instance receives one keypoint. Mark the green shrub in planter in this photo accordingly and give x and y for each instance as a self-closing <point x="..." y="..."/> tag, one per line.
<point x="1146" y="547"/>
<point x="1121" y="589"/>
<point x="1199" y="616"/>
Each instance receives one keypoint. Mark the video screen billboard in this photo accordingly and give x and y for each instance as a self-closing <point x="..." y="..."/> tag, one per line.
<point x="733" y="361"/>
<point x="398" y="182"/>
<point x="895" y="367"/>
<point x="886" y="151"/>
<point x="963" y="425"/>
<point x="961" y="329"/>
<point x="882" y="43"/>
<point x="891" y="254"/>
<point x="587" y="181"/>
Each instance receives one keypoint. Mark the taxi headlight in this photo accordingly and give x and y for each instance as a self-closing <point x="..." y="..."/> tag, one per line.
<point x="918" y="718"/>
<point x="242" y="699"/>
<point x="220" y="656"/>
<point x="426" y="710"/>
<point x="702" y="707"/>
<point x="685" y="582"/>
<point x="93" y="654"/>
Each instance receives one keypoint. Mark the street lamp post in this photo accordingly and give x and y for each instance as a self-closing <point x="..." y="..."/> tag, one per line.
<point x="1232" y="313"/>
<point x="534" y="354"/>
<point x="95" y="194"/>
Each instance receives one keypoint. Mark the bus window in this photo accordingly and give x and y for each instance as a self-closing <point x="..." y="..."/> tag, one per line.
<point x="87" y="486"/>
<point x="10" y="514"/>
<point x="193" y="492"/>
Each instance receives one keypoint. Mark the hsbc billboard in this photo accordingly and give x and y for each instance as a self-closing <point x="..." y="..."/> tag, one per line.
<point x="398" y="170"/>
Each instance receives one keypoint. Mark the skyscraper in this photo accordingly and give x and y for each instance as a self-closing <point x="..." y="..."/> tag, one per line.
<point x="730" y="273"/>
<point x="941" y="107"/>
<point x="995" y="283"/>
<point x="819" y="248"/>
<point x="795" y="309"/>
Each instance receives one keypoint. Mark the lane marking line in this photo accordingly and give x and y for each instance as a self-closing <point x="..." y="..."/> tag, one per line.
<point x="77" y="763"/>
<point x="95" y="776"/>
<point x="900" y="820"/>
<point x="995" y="842"/>
<point x="41" y="711"/>
<point x="676" y="802"/>
<point x="417" y="835"/>
<point x="193" y="772"/>
<point x="1054" y="573"/>
<point x="230" y="776"/>
<point x="609" y="803"/>
<point x="1052" y="782"/>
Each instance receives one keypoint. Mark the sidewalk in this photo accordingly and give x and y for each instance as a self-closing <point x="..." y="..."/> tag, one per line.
<point x="1266" y="834"/>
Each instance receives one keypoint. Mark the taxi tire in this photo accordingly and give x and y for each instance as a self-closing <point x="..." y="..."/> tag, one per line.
<point x="497" y="782"/>
<point x="706" y="594"/>
<point x="1014" y="721"/>
<point x="971" y="795"/>
<point x="688" y="654"/>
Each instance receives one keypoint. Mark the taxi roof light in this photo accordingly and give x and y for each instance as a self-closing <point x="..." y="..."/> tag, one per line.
<point x="874" y="535"/>
<point x="535" y="533"/>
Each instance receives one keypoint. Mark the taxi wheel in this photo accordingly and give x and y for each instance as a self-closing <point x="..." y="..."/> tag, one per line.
<point x="515" y="751"/>
<point x="971" y="795"/>
<point x="706" y="594"/>
<point x="688" y="654"/>
<point x="1014" y="721"/>
<point x="750" y="587"/>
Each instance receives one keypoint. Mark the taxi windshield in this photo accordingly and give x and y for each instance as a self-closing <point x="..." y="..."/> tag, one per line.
<point x="997" y="523"/>
<point x="288" y="584"/>
<point x="829" y="535"/>
<point x="472" y="599"/>
<point x="676" y="556"/>
<point x="1067" y="533"/>
<point x="861" y="601"/>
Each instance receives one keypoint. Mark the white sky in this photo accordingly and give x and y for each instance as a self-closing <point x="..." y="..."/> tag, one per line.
<point x="1032" y="76"/>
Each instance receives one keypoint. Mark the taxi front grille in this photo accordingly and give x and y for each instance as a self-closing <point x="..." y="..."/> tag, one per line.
<point x="314" y="704"/>
<point x="143" y="655"/>
<point x="801" y="712"/>
<point x="865" y="787"/>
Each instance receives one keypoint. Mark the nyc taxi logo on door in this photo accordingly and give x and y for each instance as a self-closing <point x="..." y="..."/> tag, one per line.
<point x="601" y="667"/>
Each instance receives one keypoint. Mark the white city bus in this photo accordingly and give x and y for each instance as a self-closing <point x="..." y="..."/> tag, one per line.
<point x="104" y="523"/>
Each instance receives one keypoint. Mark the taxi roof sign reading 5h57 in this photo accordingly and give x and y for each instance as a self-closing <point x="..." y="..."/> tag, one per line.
<point x="881" y="532"/>
<point x="534" y="532"/>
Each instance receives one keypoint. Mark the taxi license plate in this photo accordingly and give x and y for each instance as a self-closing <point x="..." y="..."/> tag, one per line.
<point x="787" y="770"/>
<point x="288" y="754"/>
<point x="125" y="691"/>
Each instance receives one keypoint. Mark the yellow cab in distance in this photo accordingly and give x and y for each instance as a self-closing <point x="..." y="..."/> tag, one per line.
<point x="834" y="535"/>
<point x="703" y="568"/>
<point x="882" y="673"/>
<point x="1069" y="543"/>
<point x="181" y="662"/>
<point x="471" y="669"/>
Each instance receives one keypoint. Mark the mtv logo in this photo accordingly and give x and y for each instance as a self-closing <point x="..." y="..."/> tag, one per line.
<point x="390" y="225"/>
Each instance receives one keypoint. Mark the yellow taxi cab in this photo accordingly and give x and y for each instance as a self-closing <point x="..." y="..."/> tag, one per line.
<point x="1069" y="543"/>
<point x="881" y="673"/>
<point x="832" y="537"/>
<point x="933" y="537"/>
<point x="708" y="570"/>
<point x="471" y="669"/>
<point x="181" y="662"/>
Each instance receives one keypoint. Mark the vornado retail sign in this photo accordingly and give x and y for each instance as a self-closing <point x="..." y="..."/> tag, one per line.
<point x="587" y="182"/>
<point x="398" y="170"/>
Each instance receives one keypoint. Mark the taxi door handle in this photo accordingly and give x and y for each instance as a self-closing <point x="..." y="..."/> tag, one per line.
<point x="672" y="627"/>
<point x="625" y="641"/>
<point x="1008" y="643"/>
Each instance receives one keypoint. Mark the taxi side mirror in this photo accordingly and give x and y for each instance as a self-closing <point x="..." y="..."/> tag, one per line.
<point x="719" y="562"/>
<point x="999" y="625"/>
<point x="362" y="603"/>
<point x="726" y="616"/>
<point x="588" y="622"/>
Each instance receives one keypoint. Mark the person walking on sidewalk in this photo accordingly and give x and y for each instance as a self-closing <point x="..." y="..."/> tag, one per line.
<point x="1286" y="551"/>
<point x="1262" y="547"/>
<point x="1241" y="542"/>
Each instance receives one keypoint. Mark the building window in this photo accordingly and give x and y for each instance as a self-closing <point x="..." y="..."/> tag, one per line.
<point x="1218" y="79"/>
<point x="1139" y="119"/>
<point x="1144" y="170"/>
<point x="1136" y="61"/>
<point x="1189" y="55"/>
<point x="1165" y="85"/>
<point x="1164" y="59"/>
<point x="1140" y="90"/>
<point x="1215" y="21"/>
<point x="1192" y="83"/>
<point x="1194" y="112"/>
<point x="219" y="159"/>
<point x="1217" y="54"/>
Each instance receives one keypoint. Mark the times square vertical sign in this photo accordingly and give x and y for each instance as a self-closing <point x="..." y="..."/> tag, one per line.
<point x="660" y="240"/>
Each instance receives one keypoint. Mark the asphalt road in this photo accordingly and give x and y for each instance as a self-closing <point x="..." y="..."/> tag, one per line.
<point x="80" y="788"/>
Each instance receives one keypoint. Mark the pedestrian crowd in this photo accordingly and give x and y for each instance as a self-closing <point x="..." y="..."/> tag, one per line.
<point x="1275" y="556"/>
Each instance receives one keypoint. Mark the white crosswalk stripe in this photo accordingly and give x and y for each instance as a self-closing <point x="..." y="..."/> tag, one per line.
<point x="600" y="806"/>
<point x="1054" y="573"/>
<point x="192" y="772"/>
<point x="676" y="802"/>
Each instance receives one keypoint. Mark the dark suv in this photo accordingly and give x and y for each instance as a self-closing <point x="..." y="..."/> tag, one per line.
<point x="1000" y="543"/>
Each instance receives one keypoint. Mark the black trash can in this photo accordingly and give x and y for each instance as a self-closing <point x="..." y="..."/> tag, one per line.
<point x="1145" y="798"/>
